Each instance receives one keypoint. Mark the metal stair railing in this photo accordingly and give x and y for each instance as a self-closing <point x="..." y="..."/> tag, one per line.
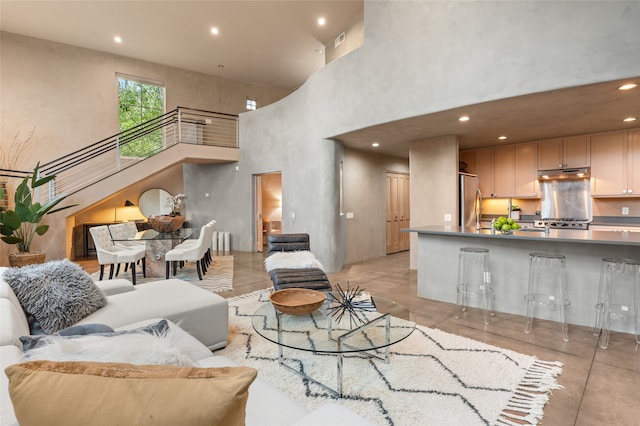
<point x="86" y="166"/>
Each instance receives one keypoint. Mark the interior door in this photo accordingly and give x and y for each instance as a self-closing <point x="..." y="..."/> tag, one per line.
<point x="258" y="215"/>
<point x="397" y="212"/>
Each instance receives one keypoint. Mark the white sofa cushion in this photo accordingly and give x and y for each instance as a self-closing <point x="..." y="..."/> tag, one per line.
<point x="266" y="406"/>
<point x="13" y="323"/>
<point x="9" y="355"/>
<point x="115" y="286"/>
<point x="199" y="312"/>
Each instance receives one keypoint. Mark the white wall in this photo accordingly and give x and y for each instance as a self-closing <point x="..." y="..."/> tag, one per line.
<point x="419" y="58"/>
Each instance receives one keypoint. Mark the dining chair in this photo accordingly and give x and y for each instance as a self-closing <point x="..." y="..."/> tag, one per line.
<point x="193" y="242"/>
<point x="111" y="254"/>
<point x="192" y="252"/>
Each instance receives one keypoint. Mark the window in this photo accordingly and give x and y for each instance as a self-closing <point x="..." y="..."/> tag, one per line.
<point x="140" y="101"/>
<point x="252" y="103"/>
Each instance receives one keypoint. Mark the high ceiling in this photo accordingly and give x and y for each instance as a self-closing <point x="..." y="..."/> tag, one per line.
<point x="279" y="43"/>
<point x="276" y="43"/>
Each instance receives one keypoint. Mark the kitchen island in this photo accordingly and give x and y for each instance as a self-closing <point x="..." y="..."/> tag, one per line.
<point x="437" y="264"/>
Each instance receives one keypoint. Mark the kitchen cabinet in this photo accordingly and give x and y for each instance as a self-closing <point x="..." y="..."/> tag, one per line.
<point x="564" y="153"/>
<point x="495" y="168"/>
<point x="484" y="170"/>
<point x="504" y="171"/>
<point x="526" y="170"/>
<point x="615" y="160"/>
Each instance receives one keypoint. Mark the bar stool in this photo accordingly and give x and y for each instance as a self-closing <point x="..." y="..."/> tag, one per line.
<point x="474" y="280"/>
<point x="618" y="296"/>
<point x="547" y="287"/>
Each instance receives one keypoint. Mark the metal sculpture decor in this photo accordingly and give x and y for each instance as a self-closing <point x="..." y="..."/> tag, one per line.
<point x="352" y="301"/>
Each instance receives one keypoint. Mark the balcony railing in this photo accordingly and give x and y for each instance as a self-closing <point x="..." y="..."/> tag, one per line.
<point x="91" y="164"/>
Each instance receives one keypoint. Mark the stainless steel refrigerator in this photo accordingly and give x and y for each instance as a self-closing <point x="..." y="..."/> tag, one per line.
<point x="470" y="200"/>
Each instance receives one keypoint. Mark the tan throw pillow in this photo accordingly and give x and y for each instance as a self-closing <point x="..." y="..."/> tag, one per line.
<point x="94" y="393"/>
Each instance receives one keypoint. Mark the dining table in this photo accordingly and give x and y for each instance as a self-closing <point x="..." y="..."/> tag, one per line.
<point x="157" y="244"/>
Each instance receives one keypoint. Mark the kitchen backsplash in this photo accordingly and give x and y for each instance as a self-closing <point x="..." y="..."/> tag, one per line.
<point x="609" y="208"/>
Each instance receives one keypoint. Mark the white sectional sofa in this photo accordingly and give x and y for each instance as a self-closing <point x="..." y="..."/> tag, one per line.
<point x="131" y="307"/>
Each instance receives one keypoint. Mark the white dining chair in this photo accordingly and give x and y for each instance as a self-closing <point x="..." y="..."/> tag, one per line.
<point x="192" y="252"/>
<point x="111" y="254"/>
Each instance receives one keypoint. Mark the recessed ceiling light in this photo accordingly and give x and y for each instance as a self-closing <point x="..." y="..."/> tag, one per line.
<point x="215" y="31"/>
<point x="502" y="138"/>
<point x="117" y="39"/>
<point x="628" y="86"/>
<point x="464" y="118"/>
<point x="375" y="144"/>
<point x="628" y="119"/>
<point x="321" y="21"/>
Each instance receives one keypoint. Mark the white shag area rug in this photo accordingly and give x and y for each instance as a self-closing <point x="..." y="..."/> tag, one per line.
<point x="433" y="378"/>
<point x="219" y="276"/>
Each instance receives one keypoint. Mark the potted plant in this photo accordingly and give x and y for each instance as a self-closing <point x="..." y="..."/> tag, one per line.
<point x="515" y="212"/>
<point x="20" y="225"/>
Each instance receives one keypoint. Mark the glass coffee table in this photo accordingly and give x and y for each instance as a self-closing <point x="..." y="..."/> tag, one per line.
<point x="325" y="331"/>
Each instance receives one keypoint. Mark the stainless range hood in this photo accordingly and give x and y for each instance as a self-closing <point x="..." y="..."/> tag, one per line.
<point x="556" y="174"/>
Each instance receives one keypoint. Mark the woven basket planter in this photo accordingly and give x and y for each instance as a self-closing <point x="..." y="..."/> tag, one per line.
<point x="29" y="258"/>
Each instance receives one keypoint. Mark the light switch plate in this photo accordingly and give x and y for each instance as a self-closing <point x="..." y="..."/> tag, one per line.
<point x="625" y="210"/>
<point x="448" y="217"/>
<point x="349" y="215"/>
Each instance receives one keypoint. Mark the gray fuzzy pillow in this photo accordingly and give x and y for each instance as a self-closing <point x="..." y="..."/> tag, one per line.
<point x="58" y="294"/>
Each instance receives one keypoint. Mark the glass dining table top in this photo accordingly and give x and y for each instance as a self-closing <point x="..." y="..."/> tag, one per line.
<point x="153" y="235"/>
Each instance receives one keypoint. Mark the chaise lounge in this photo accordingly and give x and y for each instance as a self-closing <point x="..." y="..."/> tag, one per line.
<point x="291" y="264"/>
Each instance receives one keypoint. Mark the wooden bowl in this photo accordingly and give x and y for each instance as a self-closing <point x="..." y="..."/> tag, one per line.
<point x="297" y="301"/>
<point x="166" y="223"/>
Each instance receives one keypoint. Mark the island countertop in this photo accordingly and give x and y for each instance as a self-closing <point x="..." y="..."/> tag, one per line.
<point x="537" y="234"/>
<point x="438" y="248"/>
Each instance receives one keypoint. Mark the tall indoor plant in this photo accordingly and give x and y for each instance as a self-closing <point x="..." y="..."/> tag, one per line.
<point x="20" y="225"/>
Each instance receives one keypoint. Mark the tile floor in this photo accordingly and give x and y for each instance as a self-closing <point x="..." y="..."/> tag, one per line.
<point x="601" y="387"/>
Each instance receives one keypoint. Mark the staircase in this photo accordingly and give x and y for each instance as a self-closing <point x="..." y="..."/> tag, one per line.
<point x="181" y="135"/>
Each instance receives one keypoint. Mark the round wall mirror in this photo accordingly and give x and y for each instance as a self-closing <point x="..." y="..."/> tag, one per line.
<point x="153" y="202"/>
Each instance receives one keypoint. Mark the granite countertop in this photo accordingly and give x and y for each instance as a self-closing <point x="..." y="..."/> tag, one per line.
<point x="537" y="234"/>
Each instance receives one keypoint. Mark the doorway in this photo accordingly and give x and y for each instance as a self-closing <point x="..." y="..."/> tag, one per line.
<point x="268" y="207"/>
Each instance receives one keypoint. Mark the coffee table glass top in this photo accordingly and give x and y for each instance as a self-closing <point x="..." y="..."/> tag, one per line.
<point x="320" y="330"/>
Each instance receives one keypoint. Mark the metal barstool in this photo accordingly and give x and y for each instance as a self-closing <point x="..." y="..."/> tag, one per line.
<point x="547" y="287"/>
<point x="474" y="280"/>
<point x="618" y="296"/>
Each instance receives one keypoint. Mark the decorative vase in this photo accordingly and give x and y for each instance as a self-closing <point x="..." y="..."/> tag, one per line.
<point x="166" y="223"/>
<point x="27" y="258"/>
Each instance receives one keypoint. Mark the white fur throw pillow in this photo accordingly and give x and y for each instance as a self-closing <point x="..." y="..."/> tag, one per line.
<point x="292" y="260"/>
<point x="134" y="348"/>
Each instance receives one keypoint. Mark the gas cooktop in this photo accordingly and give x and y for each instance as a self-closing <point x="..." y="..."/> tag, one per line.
<point x="562" y="224"/>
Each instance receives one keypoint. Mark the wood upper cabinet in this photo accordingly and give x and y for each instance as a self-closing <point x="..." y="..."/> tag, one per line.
<point x="526" y="170"/>
<point x="495" y="168"/>
<point x="633" y="155"/>
<point x="562" y="153"/>
<point x="504" y="171"/>
<point x="615" y="157"/>
<point x="484" y="170"/>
